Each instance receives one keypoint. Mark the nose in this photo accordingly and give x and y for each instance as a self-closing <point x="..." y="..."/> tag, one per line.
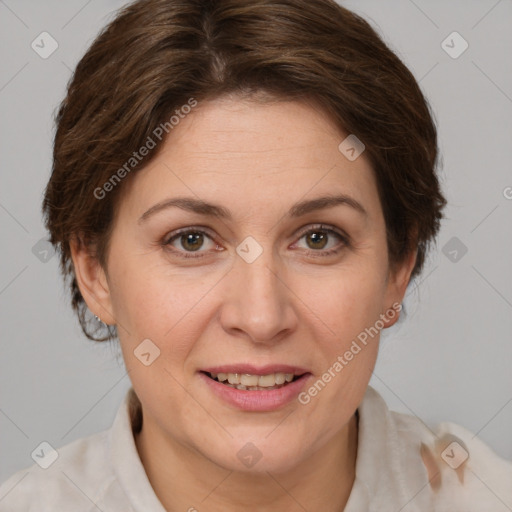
<point x="258" y="304"/>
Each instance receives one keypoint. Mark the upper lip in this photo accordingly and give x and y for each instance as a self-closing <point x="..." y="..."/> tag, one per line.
<point x="256" y="370"/>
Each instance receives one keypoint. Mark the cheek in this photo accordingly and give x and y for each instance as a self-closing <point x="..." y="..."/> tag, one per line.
<point x="345" y="302"/>
<point x="348" y="310"/>
<point x="152" y="301"/>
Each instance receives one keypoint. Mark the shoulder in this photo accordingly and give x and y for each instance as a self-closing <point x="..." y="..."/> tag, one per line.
<point x="462" y="471"/>
<point x="404" y="463"/>
<point x="77" y="476"/>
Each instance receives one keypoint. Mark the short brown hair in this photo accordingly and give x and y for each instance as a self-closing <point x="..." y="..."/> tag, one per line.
<point x="157" y="54"/>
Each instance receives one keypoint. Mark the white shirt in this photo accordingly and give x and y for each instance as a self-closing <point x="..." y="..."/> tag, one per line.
<point x="103" y="472"/>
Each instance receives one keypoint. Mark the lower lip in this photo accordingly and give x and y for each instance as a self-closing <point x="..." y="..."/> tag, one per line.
<point x="257" y="400"/>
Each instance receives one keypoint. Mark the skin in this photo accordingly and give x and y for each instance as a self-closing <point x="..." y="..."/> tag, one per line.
<point x="288" y="306"/>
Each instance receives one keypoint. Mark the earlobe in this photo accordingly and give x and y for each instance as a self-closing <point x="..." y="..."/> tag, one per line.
<point x="391" y="315"/>
<point x="92" y="281"/>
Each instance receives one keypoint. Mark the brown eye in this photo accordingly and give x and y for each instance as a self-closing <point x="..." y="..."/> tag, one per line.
<point x="192" y="241"/>
<point x="318" y="238"/>
<point x="188" y="241"/>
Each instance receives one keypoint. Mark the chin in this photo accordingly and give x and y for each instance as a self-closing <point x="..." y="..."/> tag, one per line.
<point x="258" y="456"/>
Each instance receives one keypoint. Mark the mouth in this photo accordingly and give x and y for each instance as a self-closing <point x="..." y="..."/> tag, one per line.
<point x="253" y="382"/>
<point x="255" y="388"/>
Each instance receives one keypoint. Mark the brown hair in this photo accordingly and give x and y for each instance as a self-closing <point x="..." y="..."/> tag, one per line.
<point x="158" y="54"/>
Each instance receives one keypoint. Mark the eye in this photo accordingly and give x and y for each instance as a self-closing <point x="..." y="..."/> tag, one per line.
<point x="189" y="240"/>
<point x="319" y="237"/>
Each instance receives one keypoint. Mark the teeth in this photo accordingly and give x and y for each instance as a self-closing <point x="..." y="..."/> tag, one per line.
<point x="249" y="380"/>
<point x="267" y="380"/>
<point x="281" y="378"/>
<point x="234" y="378"/>
<point x="245" y="380"/>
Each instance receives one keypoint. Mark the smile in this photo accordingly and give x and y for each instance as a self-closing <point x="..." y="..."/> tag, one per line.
<point x="250" y="382"/>
<point x="250" y="388"/>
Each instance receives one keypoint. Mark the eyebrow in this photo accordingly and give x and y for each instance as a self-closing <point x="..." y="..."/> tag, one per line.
<point x="213" y="210"/>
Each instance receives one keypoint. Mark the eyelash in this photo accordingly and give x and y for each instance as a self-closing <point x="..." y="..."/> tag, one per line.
<point x="319" y="227"/>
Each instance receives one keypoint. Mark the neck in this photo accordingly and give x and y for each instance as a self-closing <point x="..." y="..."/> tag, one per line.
<point x="184" y="480"/>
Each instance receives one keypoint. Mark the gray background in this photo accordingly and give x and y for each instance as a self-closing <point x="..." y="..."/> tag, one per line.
<point x="451" y="357"/>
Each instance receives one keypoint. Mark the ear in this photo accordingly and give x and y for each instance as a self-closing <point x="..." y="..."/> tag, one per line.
<point x="398" y="279"/>
<point x="92" y="281"/>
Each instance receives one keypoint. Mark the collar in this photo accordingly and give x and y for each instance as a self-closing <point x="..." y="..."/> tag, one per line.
<point x="376" y="468"/>
<point x="125" y="458"/>
<point x="389" y="471"/>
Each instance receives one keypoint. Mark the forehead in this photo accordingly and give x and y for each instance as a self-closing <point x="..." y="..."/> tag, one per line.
<point x="243" y="130"/>
<point x="247" y="154"/>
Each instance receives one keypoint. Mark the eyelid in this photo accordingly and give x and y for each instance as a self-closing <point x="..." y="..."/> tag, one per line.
<point x="199" y="229"/>
<point x="324" y="227"/>
<point x="187" y="255"/>
<point x="331" y="230"/>
<point x="307" y="229"/>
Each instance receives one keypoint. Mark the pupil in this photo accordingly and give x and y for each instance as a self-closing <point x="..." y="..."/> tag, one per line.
<point x="192" y="237"/>
<point x="316" y="238"/>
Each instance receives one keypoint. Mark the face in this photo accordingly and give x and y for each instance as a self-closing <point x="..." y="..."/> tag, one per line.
<point x="268" y="281"/>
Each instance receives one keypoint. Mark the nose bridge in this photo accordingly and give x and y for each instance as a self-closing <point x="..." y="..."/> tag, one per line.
<point x="259" y="301"/>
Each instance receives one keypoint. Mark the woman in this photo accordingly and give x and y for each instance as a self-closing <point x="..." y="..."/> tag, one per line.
<point x="241" y="197"/>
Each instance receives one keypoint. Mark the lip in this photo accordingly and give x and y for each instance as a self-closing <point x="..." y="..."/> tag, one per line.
<point x="256" y="370"/>
<point x="256" y="401"/>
